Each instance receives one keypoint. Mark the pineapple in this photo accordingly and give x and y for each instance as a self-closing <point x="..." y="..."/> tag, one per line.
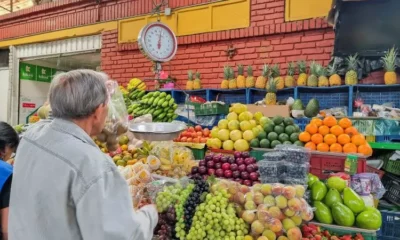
<point x="270" y="97"/>
<point x="312" y="80"/>
<point x="225" y="82"/>
<point x="389" y="63"/>
<point x="280" y="83"/>
<point x="232" y="80"/>
<point x="262" y="80"/>
<point x="322" y="79"/>
<point x="197" y="82"/>
<point x="289" y="80"/>
<point x="189" y="83"/>
<point x="302" y="80"/>
<point x="351" y="77"/>
<point x="334" y="79"/>
<point x="250" y="78"/>
<point x="240" y="80"/>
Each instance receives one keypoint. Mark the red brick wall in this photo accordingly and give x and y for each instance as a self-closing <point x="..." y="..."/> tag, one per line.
<point x="268" y="40"/>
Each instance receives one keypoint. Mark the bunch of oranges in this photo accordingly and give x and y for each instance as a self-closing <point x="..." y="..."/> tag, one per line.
<point x="331" y="135"/>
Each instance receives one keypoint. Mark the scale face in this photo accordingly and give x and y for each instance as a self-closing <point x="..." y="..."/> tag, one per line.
<point x="158" y="42"/>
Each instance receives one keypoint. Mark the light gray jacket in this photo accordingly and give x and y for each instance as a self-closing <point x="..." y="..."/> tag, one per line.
<point x="65" y="188"/>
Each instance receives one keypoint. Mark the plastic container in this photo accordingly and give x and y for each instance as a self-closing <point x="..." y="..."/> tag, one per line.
<point x="258" y="153"/>
<point x="392" y="186"/>
<point x="375" y="170"/>
<point x="323" y="164"/>
<point x="199" y="154"/>
<point x="392" y="166"/>
<point x="341" y="231"/>
<point x="272" y="169"/>
<point x="350" y="164"/>
<point x="211" y="109"/>
<point x="390" y="229"/>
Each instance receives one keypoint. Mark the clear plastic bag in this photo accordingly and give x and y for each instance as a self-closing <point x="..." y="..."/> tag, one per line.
<point x="294" y="154"/>
<point x="274" y="156"/>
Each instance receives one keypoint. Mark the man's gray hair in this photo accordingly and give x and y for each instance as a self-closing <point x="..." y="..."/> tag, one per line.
<point x="77" y="94"/>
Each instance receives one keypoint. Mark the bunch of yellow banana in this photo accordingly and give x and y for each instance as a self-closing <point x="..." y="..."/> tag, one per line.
<point x="166" y="164"/>
<point x="136" y="83"/>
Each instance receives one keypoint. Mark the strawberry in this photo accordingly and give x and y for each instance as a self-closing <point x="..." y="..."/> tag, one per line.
<point x="359" y="236"/>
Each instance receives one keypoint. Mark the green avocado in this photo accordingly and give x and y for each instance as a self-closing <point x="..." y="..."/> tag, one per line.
<point x="342" y="215"/>
<point x="318" y="191"/>
<point x="323" y="213"/>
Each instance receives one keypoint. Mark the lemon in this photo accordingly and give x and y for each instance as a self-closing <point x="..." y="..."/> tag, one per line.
<point x="258" y="115"/>
<point x="241" y="145"/>
<point x="235" y="135"/>
<point x="227" y="145"/>
<point x="214" y="143"/>
<point x="248" y="135"/>
<point x="253" y="123"/>
<point x="245" y="125"/>
<point x="232" y="116"/>
<point x="223" y="134"/>
<point x="223" y="124"/>
<point x="214" y="132"/>
<point x="233" y="125"/>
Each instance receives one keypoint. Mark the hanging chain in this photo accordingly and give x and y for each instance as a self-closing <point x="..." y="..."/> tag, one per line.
<point x="157" y="8"/>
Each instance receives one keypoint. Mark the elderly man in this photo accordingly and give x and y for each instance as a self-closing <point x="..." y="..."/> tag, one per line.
<point x="64" y="187"/>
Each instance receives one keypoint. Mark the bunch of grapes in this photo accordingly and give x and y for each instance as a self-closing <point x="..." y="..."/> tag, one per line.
<point x="194" y="200"/>
<point x="168" y="197"/>
<point x="216" y="219"/>
<point x="180" y="211"/>
<point x="165" y="228"/>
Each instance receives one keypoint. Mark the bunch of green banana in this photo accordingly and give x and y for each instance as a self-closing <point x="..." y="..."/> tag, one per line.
<point x="145" y="150"/>
<point x="159" y="104"/>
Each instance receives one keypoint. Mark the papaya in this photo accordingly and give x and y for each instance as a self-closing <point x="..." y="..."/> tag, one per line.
<point x="342" y="215"/>
<point x="353" y="201"/>
<point x="318" y="191"/>
<point x="337" y="183"/>
<point x="332" y="196"/>
<point x="312" y="179"/>
<point x="370" y="219"/>
<point x="323" y="213"/>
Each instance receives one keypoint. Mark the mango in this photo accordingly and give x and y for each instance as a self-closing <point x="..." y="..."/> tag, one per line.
<point x="342" y="215"/>
<point x="323" y="213"/>
<point x="353" y="201"/>
<point x="336" y="183"/>
<point x="370" y="219"/>
<point x="318" y="191"/>
<point x="332" y="196"/>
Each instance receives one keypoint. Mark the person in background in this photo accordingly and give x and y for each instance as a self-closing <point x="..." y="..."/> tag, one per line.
<point x="9" y="141"/>
<point x="64" y="187"/>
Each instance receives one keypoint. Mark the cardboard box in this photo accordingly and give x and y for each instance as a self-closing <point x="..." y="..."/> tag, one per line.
<point x="271" y="110"/>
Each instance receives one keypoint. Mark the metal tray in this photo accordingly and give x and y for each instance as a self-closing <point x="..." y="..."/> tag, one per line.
<point x="157" y="131"/>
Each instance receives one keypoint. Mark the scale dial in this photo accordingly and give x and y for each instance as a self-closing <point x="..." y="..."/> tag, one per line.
<point x="158" y="42"/>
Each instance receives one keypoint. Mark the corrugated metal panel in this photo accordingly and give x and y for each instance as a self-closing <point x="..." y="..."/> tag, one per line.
<point x="71" y="45"/>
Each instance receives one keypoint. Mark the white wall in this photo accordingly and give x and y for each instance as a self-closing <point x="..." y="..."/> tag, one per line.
<point x="4" y="84"/>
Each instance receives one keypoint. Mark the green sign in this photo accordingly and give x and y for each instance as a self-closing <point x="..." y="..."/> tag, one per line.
<point x="27" y="71"/>
<point x="44" y="74"/>
<point x="36" y="73"/>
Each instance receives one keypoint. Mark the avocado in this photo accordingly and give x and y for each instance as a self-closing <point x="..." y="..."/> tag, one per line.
<point x="312" y="108"/>
<point x="297" y="105"/>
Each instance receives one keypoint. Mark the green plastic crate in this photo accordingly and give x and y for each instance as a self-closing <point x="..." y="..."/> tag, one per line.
<point x="199" y="154"/>
<point x="211" y="109"/>
<point x="258" y="153"/>
<point x="341" y="231"/>
<point x="392" y="167"/>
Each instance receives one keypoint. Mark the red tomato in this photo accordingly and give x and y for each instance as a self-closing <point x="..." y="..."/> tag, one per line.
<point x="203" y="140"/>
<point x="194" y="135"/>
<point x="196" y="140"/>
<point x="206" y="132"/>
<point x="200" y="133"/>
<point x="183" y="139"/>
<point x="191" y="129"/>
<point x="189" y="139"/>
<point x="198" y="128"/>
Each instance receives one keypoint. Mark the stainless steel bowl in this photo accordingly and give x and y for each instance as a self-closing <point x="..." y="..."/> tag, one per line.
<point x="157" y="131"/>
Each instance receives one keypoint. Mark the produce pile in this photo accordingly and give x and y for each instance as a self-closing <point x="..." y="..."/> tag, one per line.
<point x="134" y="91"/>
<point x="336" y="203"/>
<point x="278" y="131"/>
<point x="194" y="135"/>
<point x="331" y="135"/>
<point x="240" y="167"/>
<point x="315" y="232"/>
<point x="160" y="105"/>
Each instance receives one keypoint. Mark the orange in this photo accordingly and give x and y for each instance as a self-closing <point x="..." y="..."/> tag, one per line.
<point x="345" y="123"/>
<point x="336" y="147"/>
<point x="310" y="145"/>
<point x="336" y="130"/>
<point x="330" y="139"/>
<point x="316" y="121"/>
<point x="351" y="131"/>
<point x="358" y="139"/>
<point x="349" y="148"/>
<point x="304" y="137"/>
<point x="343" y="139"/>
<point x="317" y="138"/>
<point x="323" y="130"/>
<point x="330" y="121"/>
<point x="312" y="128"/>
<point x="365" y="149"/>
<point x="323" y="147"/>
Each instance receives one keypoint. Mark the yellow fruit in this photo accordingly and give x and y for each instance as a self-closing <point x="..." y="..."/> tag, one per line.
<point x="351" y="77"/>
<point x="197" y="82"/>
<point x="302" y="80"/>
<point x="189" y="83"/>
<point x="289" y="80"/>
<point x="240" y="80"/>
<point x="241" y="145"/>
<point x="225" y="82"/>
<point x="262" y="80"/>
<point x="250" y="78"/>
<point x="389" y="63"/>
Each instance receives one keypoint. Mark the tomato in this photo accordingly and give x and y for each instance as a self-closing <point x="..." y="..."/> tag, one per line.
<point x="198" y="128"/>
<point x="194" y="135"/>
<point x="190" y="129"/>
<point x="190" y="139"/>
<point x="203" y="140"/>
<point x="199" y="133"/>
<point x="184" y="139"/>
<point x="206" y="132"/>
<point x="196" y="140"/>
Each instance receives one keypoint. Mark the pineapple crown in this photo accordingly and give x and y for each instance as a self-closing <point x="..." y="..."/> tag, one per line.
<point x="265" y="70"/>
<point x="275" y="71"/>
<point x="231" y="73"/>
<point x="302" y="65"/>
<point x="352" y="62"/>
<point x="321" y="71"/>
<point x="190" y="75"/>
<point x="198" y="75"/>
<point x="226" y="72"/>
<point x="332" y="69"/>
<point x="249" y="71"/>
<point x="389" y="60"/>
<point x="314" y="68"/>
<point x="291" y="69"/>
<point x="272" y="86"/>
<point x="240" y="69"/>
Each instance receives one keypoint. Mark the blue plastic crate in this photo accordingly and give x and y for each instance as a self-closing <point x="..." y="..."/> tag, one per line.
<point x="180" y="96"/>
<point x="390" y="229"/>
<point x="302" y="122"/>
<point x="256" y="94"/>
<point x="229" y="96"/>
<point x="328" y="97"/>
<point x="387" y="138"/>
<point x="378" y="94"/>
<point x="217" y="118"/>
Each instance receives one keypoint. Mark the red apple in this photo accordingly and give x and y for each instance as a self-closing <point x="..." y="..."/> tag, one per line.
<point x="234" y="167"/>
<point x="217" y="165"/>
<point x="242" y="168"/>
<point x="219" y="173"/>
<point x="211" y="171"/>
<point x="228" y="173"/>
<point x="239" y="161"/>
<point x="235" y="174"/>
<point x="247" y="182"/>
<point x="226" y="166"/>
<point x="244" y="175"/>
<point x="250" y="168"/>
<point x="254" y="176"/>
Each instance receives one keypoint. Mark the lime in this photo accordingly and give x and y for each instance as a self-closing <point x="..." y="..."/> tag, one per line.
<point x="278" y="129"/>
<point x="262" y="135"/>
<point x="294" y="137"/>
<point x="269" y="127"/>
<point x="283" y="137"/>
<point x="254" y="143"/>
<point x="275" y="143"/>
<point x="298" y="143"/>
<point x="289" y="129"/>
<point x="296" y="128"/>
<point x="288" y="121"/>
<point x="277" y="120"/>
<point x="287" y="143"/>
<point x="272" y="136"/>
<point x="265" y="143"/>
